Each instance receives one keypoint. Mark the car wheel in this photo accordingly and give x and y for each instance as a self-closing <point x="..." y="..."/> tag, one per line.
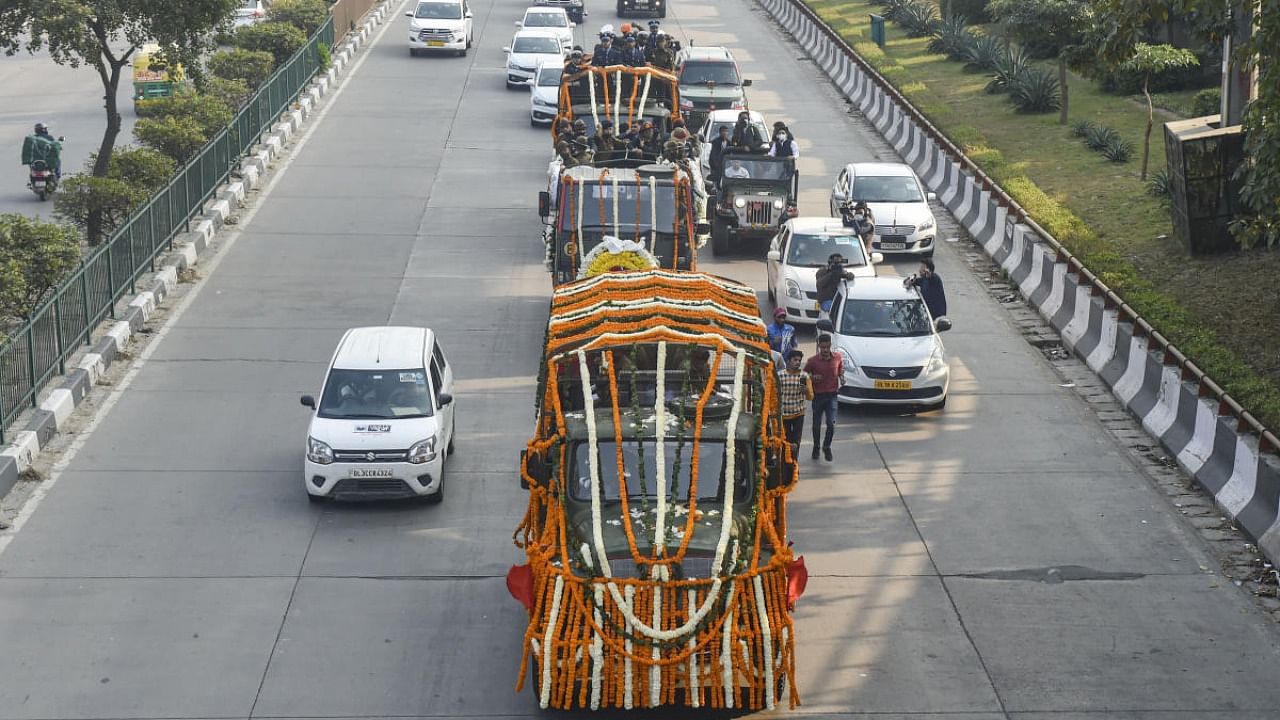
<point x="43" y="195"/>
<point x="413" y="52"/>
<point x="436" y="497"/>
<point x="663" y="12"/>
<point x="533" y="122"/>
<point x="448" y="452"/>
<point x="463" y="52"/>
<point x="316" y="499"/>
<point x="927" y="254"/>
<point x="719" y="238"/>
<point x="470" y="38"/>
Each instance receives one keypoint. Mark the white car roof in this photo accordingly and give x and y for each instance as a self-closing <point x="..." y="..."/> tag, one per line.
<point x="814" y="224"/>
<point x="537" y="32"/>
<point x="882" y="169"/>
<point x="879" y="288"/>
<point x="706" y="52"/>
<point x="383" y="348"/>
<point x="731" y="116"/>
<point x="547" y="9"/>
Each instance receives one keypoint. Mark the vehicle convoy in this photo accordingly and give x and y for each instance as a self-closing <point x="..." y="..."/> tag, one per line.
<point x="528" y="50"/>
<point x="550" y="19"/>
<point x="384" y="424"/>
<point x="898" y="202"/>
<point x="622" y="95"/>
<point x="574" y="8"/>
<point x="659" y="570"/>
<point x="803" y="245"/>
<point x="757" y="194"/>
<point x="630" y="8"/>
<point x="709" y="80"/>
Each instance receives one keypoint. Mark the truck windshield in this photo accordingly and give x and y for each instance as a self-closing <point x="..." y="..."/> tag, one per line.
<point x="633" y="205"/>
<point x="709" y="73"/>
<point x="644" y="484"/>
<point x="745" y="168"/>
<point x="375" y="395"/>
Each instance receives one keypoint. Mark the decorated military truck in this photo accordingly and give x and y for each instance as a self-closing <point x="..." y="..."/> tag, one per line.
<point x="658" y="568"/>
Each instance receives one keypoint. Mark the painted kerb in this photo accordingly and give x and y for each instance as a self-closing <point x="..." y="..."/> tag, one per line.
<point x="37" y="351"/>
<point x="1213" y="438"/>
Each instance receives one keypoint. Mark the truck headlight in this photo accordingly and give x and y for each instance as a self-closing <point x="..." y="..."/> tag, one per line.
<point x="739" y="202"/>
<point x="423" y="452"/>
<point x="318" y="452"/>
<point x="793" y="289"/>
<point x="777" y="204"/>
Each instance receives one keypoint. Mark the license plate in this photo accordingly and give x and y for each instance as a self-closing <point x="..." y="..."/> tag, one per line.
<point x="37" y="183"/>
<point x="893" y="384"/>
<point x="435" y="43"/>
<point x="371" y="473"/>
<point x="893" y="246"/>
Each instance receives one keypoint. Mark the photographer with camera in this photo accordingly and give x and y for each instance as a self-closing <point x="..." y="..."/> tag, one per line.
<point x="858" y="217"/>
<point x="829" y="277"/>
<point x="930" y="287"/>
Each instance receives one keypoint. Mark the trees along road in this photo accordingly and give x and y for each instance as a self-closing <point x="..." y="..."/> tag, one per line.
<point x="35" y="89"/>
<point x="174" y="568"/>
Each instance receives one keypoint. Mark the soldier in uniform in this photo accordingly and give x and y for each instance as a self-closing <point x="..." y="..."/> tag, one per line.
<point x="654" y="34"/>
<point x="661" y="56"/>
<point x="603" y="51"/>
<point x="631" y="55"/>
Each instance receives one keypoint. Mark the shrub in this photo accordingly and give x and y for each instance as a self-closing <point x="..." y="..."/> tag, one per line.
<point x="232" y="93"/>
<point x="326" y="55"/>
<point x="178" y="137"/>
<point x="1035" y="91"/>
<point x="1118" y="150"/>
<point x="251" y="67"/>
<point x="1099" y="136"/>
<point x="951" y="38"/>
<point x="208" y="112"/>
<point x="36" y="256"/>
<point x="1011" y="63"/>
<point x="1207" y="102"/>
<point x="80" y="195"/>
<point x="976" y="9"/>
<point x="1122" y="81"/>
<point x="306" y="15"/>
<point x="1158" y="187"/>
<point x="1081" y="128"/>
<point x="140" y="167"/>
<point x="280" y="39"/>
<point x="918" y="17"/>
<point x="983" y="53"/>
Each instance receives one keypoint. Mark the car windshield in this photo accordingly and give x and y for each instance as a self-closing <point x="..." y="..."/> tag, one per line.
<point x="545" y="19"/>
<point x="746" y="168"/>
<point x="538" y="45"/>
<point x="549" y="77"/>
<point x="439" y="11"/>
<point x="704" y="73"/>
<point x="714" y="130"/>
<point x="639" y="460"/>
<point x="885" y="318"/>
<point x="812" y="250"/>
<point x="888" y="189"/>
<point x="375" y="395"/>
<point x="633" y="206"/>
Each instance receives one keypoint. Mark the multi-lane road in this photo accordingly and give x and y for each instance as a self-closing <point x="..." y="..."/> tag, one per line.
<point x="173" y="568"/>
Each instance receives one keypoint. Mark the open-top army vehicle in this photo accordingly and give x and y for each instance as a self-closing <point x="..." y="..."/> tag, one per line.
<point x="624" y="95"/>
<point x="658" y="568"/>
<point x="757" y="194"/>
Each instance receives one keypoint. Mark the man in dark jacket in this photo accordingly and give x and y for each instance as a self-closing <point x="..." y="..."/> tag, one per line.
<point x="828" y="278"/>
<point x="930" y="287"/>
<point x="604" y="52"/>
<point x="661" y="56"/>
<point x="721" y="143"/>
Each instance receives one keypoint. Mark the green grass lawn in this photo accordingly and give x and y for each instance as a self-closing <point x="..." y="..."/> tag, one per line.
<point x="1223" y="311"/>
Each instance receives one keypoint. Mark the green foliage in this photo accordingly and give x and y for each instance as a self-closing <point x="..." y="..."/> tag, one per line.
<point x="178" y="137"/>
<point x="1261" y="173"/>
<point x="80" y="196"/>
<point x="976" y="9"/>
<point x="142" y="168"/>
<point x="1207" y="102"/>
<point x="1011" y="63"/>
<point x="231" y="93"/>
<point x="984" y="53"/>
<point x="36" y="255"/>
<point x="1081" y="128"/>
<point x="280" y="39"/>
<point x="1043" y="27"/>
<point x="1035" y="91"/>
<point x="306" y="15"/>
<point x="326" y="56"/>
<point x="251" y="67"/>
<point x="1158" y="187"/>
<point x="210" y="113"/>
<point x="1150" y="59"/>
<point x="918" y="17"/>
<point x="952" y="37"/>
<point x="1098" y="137"/>
<point x="1118" y="150"/>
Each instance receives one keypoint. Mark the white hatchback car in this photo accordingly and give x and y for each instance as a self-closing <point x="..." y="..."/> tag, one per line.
<point x="544" y="93"/>
<point x="440" y="25"/>
<point x="711" y="128"/>
<point x="250" y="12"/>
<point x="552" y="19"/>
<point x="528" y="50"/>
<point x="384" y="423"/>
<point x="796" y="253"/>
<point x="898" y="201"/>
<point x="890" y="345"/>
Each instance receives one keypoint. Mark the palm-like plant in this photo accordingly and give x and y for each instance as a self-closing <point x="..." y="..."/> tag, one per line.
<point x="1009" y="64"/>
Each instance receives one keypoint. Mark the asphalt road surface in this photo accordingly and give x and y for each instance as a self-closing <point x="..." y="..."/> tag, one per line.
<point x="185" y="575"/>
<point x="35" y="89"/>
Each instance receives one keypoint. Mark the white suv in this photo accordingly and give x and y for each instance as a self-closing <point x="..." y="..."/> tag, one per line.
<point x="384" y="423"/>
<point x="551" y="19"/>
<point x="440" y="25"/>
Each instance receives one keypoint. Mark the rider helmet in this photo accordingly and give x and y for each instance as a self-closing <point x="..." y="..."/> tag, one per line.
<point x="41" y="128"/>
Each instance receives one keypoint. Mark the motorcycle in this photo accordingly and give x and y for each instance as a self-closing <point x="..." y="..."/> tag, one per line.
<point x="42" y="180"/>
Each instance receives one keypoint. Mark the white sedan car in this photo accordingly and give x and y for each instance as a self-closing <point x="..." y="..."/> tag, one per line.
<point x="890" y="345"/>
<point x="528" y="50"/>
<point x="795" y="254"/>
<point x="898" y="201"/>
<point x="728" y="118"/>
<point x="553" y="19"/>
<point x="544" y="93"/>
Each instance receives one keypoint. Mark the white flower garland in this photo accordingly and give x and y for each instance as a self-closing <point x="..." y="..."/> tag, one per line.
<point x="660" y="459"/>
<point x="653" y="202"/>
<point x="693" y="658"/>
<point x="626" y="661"/>
<point x="726" y="654"/>
<point x="668" y="276"/>
<point x="730" y="458"/>
<point x="593" y="462"/>
<point x="766" y="639"/>
<point x="545" y="697"/>
<point x="617" y="101"/>
<point x="595" y="116"/>
<point x="597" y="650"/>
<point x="615" y="205"/>
<point x="582" y="245"/>
<point x="646" y="303"/>
<point x="655" y="670"/>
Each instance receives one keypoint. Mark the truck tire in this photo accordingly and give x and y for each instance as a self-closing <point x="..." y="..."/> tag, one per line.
<point x="663" y="12"/>
<point x="719" y="237"/>
<point x="621" y="11"/>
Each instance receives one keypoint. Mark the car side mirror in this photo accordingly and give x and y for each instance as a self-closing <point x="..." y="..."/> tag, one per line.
<point x="931" y="196"/>
<point x="519" y="24"/>
<point x="942" y="324"/>
<point x="837" y="195"/>
<point x="709" y="186"/>
<point x="467" y="15"/>
<point x="409" y="14"/>
<point x="825" y="325"/>
<point x="544" y="204"/>
<point x="774" y="255"/>
<point x="876" y="258"/>
<point x="506" y="49"/>
<point x="444" y="399"/>
<point x="308" y="401"/>
<point x="573" y="25"/>
<point x="746" y="83"/>
<point x="702" y="228"/>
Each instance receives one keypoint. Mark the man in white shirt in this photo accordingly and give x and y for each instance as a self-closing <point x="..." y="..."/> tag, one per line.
<point x="784" y="143"/>
<point x="735" y="170"/>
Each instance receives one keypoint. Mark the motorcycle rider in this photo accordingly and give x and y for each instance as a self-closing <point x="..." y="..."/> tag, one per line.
<point x="44" y="147"/>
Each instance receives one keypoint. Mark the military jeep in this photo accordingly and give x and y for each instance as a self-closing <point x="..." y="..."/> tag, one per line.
<point x="757" y="194"/>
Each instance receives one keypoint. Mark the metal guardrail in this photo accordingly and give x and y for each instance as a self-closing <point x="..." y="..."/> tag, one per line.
<point x="38" y="350"/>
<point x="1206" y="387"/>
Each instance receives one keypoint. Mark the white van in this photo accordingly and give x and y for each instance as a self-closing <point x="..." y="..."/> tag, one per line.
<point x="384" y="423"/>
<point x="440" y="25"/>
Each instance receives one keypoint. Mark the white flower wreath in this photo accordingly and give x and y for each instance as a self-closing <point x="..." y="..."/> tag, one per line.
<point x="640" y="258"/>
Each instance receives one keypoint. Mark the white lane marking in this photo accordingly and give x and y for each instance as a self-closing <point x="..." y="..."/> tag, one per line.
<point x="43" y="489"/>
